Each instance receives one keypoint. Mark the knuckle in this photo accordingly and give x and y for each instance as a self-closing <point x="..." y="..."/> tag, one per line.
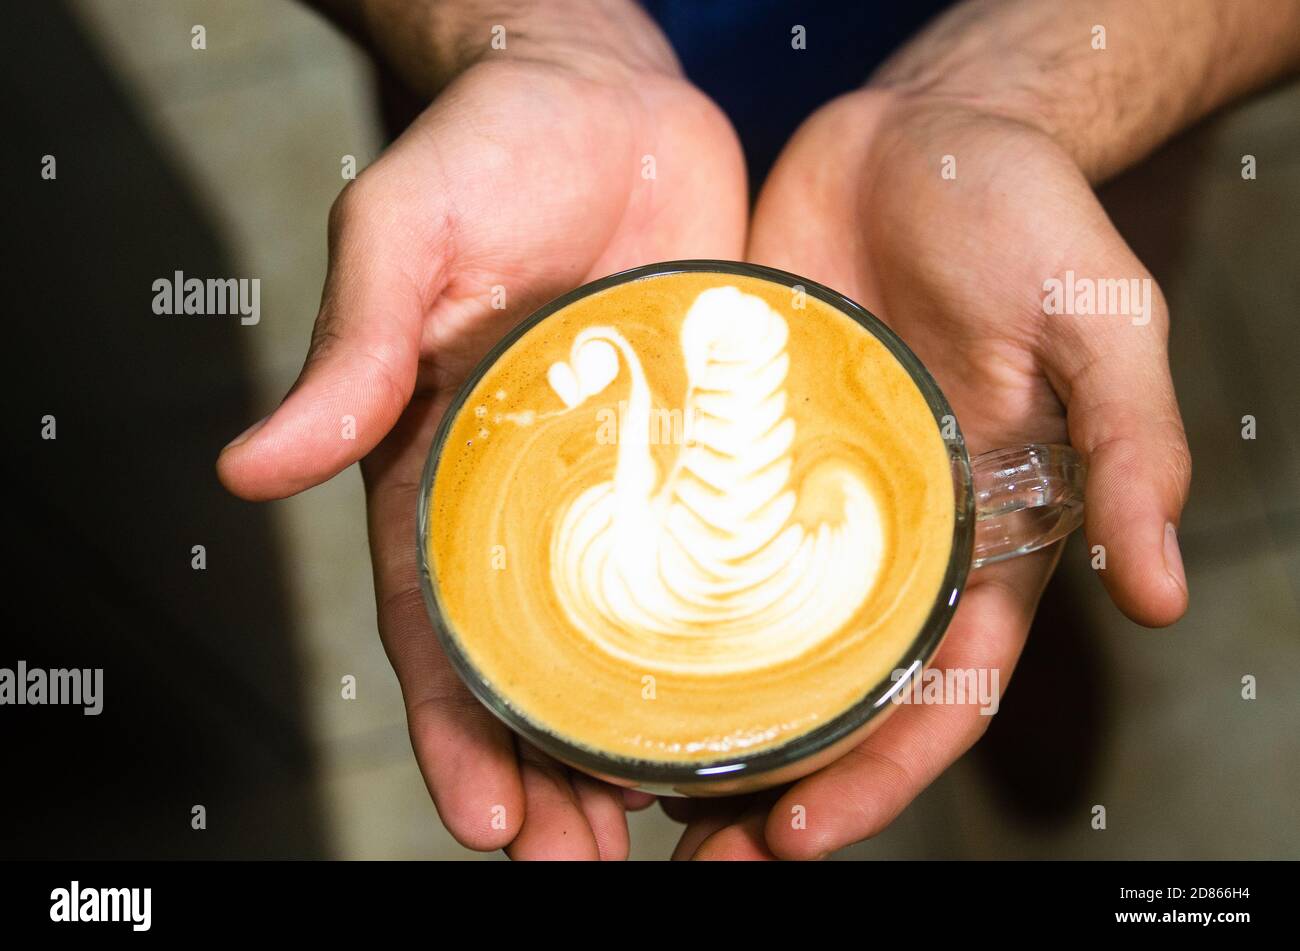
<point x="1159" y="308"/>
<point x="324" y="339"/>
<point x="404" y="606"/>
<point x="428" y="713"/>
<point x="1180" y="460"/>
<point x="355" y="203"/>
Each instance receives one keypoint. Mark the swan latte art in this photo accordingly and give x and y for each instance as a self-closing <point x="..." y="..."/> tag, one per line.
<point x="690" y="516"/>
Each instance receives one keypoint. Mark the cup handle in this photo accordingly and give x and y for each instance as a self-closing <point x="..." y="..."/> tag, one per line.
<point x="1026" y="498"/>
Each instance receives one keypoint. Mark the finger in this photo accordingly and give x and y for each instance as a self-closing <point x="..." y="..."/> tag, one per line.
<point x="703" y="817"/>
<point x="699" y="828"/>
<point x="466" y="756"/>
<point x="385" y="268"/>
<point x="602" y="804"/>
<point x="1123" y="416"/>
<point x="634" y="800"/>
<point x="739" y="841"/>
<point x="860" y="794"/>
<point x="555" y="827"/>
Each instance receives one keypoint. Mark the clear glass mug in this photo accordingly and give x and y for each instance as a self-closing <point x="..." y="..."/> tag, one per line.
<point x="1007" y="502"/>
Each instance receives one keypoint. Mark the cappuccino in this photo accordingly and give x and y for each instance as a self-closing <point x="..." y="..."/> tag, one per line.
<point x="689" y="517"/>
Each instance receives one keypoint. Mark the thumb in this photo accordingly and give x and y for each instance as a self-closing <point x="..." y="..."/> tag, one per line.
<point x="1123" y="416"/>
<point x="361" y="365"/>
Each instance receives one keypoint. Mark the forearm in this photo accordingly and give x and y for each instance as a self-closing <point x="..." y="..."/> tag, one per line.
<point x="429" y="42"/>
<point x="1166" y="63"/>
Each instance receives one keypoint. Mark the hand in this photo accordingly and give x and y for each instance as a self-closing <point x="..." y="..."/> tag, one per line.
<point x="957" y="268"/>
<point x="526" y="175"/>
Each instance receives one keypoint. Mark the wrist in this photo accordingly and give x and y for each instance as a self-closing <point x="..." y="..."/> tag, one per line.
<point x="430" y="42"/>
<point x="1107" y="80"/>
<point x="1049" y="89"/>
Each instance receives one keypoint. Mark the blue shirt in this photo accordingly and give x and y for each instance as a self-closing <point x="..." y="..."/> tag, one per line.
<point x="740" y="52"/>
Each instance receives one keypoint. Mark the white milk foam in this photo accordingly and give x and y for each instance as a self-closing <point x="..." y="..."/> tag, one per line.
<point x="707" y="569"/>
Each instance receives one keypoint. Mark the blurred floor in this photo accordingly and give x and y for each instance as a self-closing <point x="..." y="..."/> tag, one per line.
<point x="204" y="686"/>
<point x="1151" y="725"/>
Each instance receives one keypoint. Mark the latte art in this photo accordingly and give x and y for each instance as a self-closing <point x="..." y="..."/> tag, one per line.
<point x="721" y="591"/>
<point x="708" y="567"/>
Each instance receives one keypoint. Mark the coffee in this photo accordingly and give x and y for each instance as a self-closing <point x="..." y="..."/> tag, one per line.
<point x="690" y="517"/>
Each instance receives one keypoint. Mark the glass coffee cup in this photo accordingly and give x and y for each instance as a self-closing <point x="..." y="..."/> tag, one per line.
<point x="1006" y="502"/>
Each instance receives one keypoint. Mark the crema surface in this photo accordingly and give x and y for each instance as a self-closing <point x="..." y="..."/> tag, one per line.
<point x="690" y="517"/>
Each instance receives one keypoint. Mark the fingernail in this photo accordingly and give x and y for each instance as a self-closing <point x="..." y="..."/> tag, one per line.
<point x="1174" y="557"/>
<point x="247" y="433"/>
